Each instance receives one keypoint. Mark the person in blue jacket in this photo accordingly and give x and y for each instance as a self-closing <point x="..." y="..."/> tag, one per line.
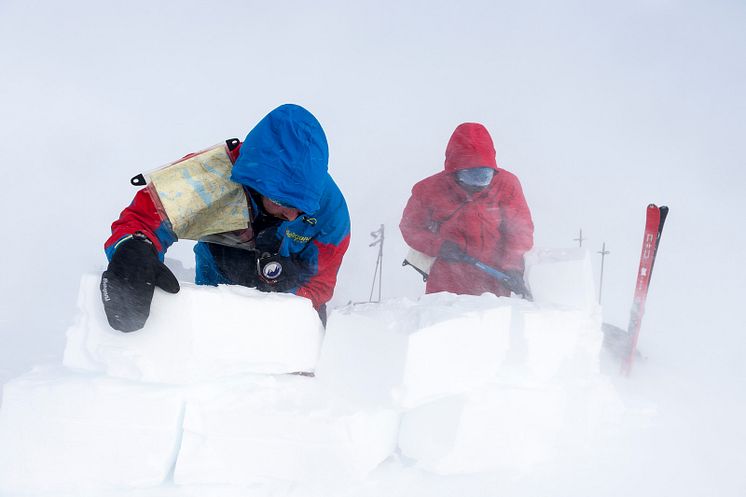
<point x="299" y="226"/>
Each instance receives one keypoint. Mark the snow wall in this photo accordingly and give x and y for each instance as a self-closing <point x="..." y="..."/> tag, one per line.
<point x="203" y="395"/>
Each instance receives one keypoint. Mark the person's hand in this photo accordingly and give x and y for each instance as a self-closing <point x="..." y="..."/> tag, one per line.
<point x="277" y="273"/>
<point x="128" y="284"/>
<point x="516" y="284"/>
<point x="451" y="251"/>
<point x="268" y="241"/>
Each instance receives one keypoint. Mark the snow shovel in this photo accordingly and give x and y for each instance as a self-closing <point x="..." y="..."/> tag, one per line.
<point x="514" y="284"/>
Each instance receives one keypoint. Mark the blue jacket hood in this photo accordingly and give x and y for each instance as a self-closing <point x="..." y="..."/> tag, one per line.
<point x="285" y="158"/>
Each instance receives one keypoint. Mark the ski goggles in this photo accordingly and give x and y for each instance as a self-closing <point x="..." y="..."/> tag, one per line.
<point x="476" y="176"/>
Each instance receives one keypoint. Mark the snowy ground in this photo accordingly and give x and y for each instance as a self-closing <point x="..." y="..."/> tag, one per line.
<point x="443" y="395"/>
<point x="673" y="441"/>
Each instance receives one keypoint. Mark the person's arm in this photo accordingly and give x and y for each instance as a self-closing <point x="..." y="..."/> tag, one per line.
<point x="517" y="228"/>
<point x="417" y="225"/>
<point x="319" y="288"/>
<point x="135" y="251"/>
<point x="141" y="216"/>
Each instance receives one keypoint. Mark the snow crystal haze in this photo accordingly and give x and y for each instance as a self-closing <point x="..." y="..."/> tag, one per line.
<point x="199" y="399"/>
<point x="196" y="397"/>
<point x="483" y="383"/>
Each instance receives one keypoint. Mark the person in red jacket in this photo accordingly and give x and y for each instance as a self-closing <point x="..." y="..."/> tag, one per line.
<point x="472" y="212"/>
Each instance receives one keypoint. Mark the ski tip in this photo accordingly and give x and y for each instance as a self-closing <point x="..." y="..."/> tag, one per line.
<point x="663" y="210"/>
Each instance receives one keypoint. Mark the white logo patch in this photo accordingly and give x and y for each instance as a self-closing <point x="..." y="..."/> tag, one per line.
<point x="272" y="270"/>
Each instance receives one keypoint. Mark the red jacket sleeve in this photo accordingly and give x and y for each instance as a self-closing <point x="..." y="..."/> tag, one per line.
<point x="416" y="224"/>
<point x="141" y="216"/>
<point x="320" y="288"/>
<point x="517" y="228"/>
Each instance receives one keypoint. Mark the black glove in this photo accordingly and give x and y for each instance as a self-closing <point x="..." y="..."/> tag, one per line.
<point x="236" y="265"/>
<point x="277" y="273"/>
<point x="268" y="241"/>
<point x="451" y="251"/>
<point x="128" y="284"/>
<point x="516" y="284"/>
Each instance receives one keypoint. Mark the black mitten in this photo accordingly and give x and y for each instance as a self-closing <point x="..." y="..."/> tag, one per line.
<point x="516" y="284"/>
<point x="128" y="284"/>
<point x="268" y="241"/>
<point x="236" y="265"/>
<point x="277" y="273"/>
<point x="451" y="251"/>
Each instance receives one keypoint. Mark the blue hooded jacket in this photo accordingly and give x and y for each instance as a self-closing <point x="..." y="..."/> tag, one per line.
<point x="285" y="158"/>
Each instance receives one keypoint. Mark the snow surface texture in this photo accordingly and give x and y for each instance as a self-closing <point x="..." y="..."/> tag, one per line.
<point x="461" y="384"/>
<point x="186" y="336"/>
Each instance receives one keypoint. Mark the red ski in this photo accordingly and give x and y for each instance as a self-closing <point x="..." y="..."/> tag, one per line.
<point x="654" y="220"/>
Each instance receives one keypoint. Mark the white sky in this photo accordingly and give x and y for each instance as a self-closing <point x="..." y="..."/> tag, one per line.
<point x="598" y="107"/>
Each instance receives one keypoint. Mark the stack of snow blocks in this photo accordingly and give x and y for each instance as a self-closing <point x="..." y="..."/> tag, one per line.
<point x="484" y="384"/>
<point x="202" y="395"/>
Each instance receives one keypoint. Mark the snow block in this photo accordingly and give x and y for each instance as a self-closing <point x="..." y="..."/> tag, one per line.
<point x="407" y="353"/>
<point x="561" y="277"/>
<point x="560" y="342"/>
<point x="201" y="333"/>
<point x="66" y="431"/>
<point x="498" y="427"/>
<point x="285" y="428"/>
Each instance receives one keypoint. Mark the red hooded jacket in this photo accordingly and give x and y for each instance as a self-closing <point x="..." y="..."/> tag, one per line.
<point x="492" y="225"/>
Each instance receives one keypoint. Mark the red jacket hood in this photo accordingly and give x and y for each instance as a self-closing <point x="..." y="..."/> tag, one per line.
<point x="470" y="146"/>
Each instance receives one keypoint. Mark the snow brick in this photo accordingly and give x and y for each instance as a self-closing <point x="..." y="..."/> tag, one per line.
<point x="405" y="353"/>
<point x="199" y="334"/>
<point x="68" y="431"/>
<point x="281" y="429"/>
<point x="562" y="277"/>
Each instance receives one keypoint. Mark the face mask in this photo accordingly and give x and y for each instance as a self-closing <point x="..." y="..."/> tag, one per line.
<point x="476" y="177"/>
